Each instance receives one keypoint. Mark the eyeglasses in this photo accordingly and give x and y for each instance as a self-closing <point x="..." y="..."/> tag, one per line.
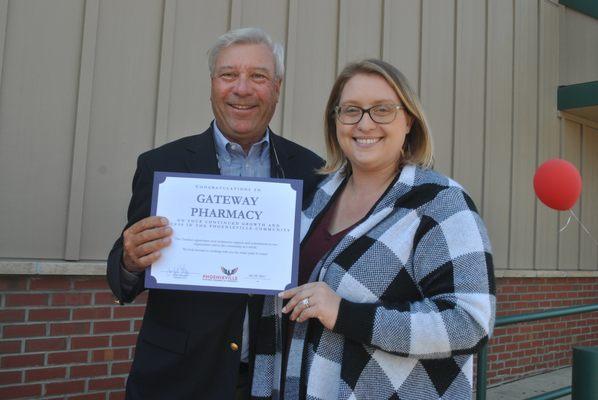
<point x="380" y="113"/>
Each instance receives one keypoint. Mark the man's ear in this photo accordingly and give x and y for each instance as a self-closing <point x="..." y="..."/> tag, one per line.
<point x="278" y="86"/>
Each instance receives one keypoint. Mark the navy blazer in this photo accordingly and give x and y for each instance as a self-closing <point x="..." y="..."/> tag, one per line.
<point x="184" y="345"/>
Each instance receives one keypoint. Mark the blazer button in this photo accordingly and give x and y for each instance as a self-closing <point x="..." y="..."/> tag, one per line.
<point x="234" y="346"/>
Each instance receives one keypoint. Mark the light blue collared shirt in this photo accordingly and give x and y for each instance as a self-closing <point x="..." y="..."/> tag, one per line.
<point x="233" y="161"/>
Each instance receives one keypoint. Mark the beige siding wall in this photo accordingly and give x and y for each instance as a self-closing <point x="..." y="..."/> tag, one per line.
<point x="86" y="86"/>
<point x="579" y="139"/>
<point x="578" y="49"/>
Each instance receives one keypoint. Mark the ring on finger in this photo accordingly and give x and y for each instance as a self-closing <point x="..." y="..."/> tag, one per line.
<point x="305" y="302"/>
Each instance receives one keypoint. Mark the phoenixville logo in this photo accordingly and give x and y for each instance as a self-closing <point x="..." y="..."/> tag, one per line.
<point x="229" y="272"/>
<point x="229" y="275"/>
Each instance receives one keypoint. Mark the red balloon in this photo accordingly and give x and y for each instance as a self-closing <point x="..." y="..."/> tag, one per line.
<point x="557" y="184"/>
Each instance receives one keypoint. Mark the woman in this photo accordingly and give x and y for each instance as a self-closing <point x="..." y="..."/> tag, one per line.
<point x="401" y="292"/>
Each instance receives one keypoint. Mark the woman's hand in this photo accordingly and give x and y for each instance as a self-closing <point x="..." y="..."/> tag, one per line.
<point x="312" y="300"/>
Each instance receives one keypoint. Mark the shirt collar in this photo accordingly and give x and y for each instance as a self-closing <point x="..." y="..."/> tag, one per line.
<point x="222" y="142"/>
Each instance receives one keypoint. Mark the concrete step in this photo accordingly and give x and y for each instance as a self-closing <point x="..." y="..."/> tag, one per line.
<point x="532" y="386"/>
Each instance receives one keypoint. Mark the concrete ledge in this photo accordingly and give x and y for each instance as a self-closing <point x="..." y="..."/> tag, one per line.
<point x="526" y="273"/>
<point x="52" y="268"/>
<point x="8" y="267"/>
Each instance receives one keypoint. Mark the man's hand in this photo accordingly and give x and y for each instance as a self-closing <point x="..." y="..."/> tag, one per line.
<point x="143" y="241"/>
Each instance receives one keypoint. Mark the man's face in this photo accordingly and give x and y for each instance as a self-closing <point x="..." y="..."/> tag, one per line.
<point x="244" y="92"/>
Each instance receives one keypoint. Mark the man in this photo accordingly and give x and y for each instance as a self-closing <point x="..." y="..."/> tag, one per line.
<point x="197" y="345"/>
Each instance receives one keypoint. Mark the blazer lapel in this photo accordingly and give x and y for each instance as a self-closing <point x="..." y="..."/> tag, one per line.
<point x="200" y="157"/>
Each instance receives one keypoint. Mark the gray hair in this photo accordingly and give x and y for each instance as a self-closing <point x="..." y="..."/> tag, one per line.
<point x="248" y="36"/>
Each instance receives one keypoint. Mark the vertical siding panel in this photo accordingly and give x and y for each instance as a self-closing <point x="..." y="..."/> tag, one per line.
<point x="437" y="77"/>
<point x="82" y="124"/>
<point x="197" y="25"/>
<point x="468" y="153"/>
<point x="270" y="15"/>
<point x="3" y="21"/>
<point x="288" y="103"/>
<point x="311" y="42"/>
<point x="589" y="199"/>
<point x="569" y="238"/>
<point x="236" y="13"/>
<point x="360" y="30"/>
<point x="3" y="32"/>
<point x="402" y="38"/>
<point x="548" y="129"/>
<point x="497" y="167"/>
<point x="123" y="114"/>
<point x="525" y="108"/>
<point x="38" y="101"/>
<point x="165" y="75"/>
<point x="579" y="58"/>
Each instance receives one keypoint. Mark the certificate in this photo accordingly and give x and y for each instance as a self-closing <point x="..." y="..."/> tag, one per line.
<point x="230" y="234"/>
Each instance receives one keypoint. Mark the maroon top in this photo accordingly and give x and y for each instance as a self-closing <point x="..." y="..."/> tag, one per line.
<point x="318" y="244"/>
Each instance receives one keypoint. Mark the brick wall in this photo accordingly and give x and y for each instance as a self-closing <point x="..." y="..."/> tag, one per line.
<point x="530" y="348"/>
<point x="63" y="337"/>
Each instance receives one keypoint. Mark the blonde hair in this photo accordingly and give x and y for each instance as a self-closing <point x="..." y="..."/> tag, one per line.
<point x="417" y="148"/>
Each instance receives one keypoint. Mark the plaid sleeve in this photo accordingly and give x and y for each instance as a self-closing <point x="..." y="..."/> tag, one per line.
<point x="452" y="270"/>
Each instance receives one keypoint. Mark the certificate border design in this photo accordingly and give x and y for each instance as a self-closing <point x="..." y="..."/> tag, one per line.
<point x="296" y="185"/>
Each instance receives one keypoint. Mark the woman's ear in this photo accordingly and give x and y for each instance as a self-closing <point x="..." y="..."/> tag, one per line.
<point x="410" y="119"/>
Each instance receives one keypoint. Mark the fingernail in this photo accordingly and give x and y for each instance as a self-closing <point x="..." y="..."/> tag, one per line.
<point x="284" y="309"/>
<point x="280" y="294"/>
<point x="164" y="220"/>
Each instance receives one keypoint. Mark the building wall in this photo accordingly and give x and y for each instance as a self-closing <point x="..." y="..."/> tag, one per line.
<point x="525" y="349"/>
<point x="577" y="248"/>
<point x="86" y="86"/>
<point x="64" y="336"/>
<point x="578" y="52"/>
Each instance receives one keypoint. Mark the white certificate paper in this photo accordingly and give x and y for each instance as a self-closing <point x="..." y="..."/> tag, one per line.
<point x="237" y="235"/>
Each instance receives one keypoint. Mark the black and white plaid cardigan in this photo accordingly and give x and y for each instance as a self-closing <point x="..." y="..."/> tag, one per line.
<point x="417" y="287"/>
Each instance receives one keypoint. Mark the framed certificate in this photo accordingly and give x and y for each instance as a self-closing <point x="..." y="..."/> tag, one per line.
<point x="230" y="234"/>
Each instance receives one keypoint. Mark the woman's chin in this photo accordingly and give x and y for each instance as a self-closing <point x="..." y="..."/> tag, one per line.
<point x="372" y="164"/>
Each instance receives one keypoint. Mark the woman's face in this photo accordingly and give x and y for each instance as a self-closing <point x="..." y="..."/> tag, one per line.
<point x="370" y="146"/>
